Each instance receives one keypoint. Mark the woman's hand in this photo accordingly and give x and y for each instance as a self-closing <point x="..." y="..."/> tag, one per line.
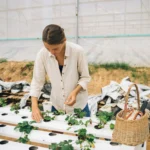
<point x="36" y="114"/>
<point x="71" y="100"/>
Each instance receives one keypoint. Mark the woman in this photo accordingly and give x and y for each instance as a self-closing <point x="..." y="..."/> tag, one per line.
<point x="66" y="66"/>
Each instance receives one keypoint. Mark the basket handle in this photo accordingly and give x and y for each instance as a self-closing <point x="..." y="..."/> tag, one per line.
<point x="127" y="96"/>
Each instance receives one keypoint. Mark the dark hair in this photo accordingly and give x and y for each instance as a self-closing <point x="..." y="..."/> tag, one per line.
<point x="53" y="34"/>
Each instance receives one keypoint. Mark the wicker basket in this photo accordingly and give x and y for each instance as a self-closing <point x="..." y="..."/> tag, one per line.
<point x="131" y="132"/>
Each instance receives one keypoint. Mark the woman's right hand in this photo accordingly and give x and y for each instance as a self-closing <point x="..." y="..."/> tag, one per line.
<point x="36" y="114"/>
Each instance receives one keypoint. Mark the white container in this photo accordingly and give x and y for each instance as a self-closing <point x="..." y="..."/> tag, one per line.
<point x="47" y="106"/>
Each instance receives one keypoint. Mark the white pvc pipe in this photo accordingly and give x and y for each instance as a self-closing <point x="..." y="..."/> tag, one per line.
<point x="43" y="137"/>
<point x="7" y="108"/>
<point x="60" y="126"/>
<point x="56" y="125"/>
<point x="17" y="146"/>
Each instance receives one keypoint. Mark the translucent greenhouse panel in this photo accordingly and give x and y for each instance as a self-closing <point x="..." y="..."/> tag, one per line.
<point x="120" y="28"/>
<point x="129" y="50"/>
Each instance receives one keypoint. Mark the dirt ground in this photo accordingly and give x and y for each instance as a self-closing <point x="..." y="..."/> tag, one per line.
<point x="100" y="77"/>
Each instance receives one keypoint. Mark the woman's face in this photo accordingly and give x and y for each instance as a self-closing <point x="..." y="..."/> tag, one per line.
<point x="55" y="49"/>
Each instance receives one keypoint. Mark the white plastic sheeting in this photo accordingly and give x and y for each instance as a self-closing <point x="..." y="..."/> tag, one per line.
<point x="116" y="19"/>
<point x="116" y="92"/>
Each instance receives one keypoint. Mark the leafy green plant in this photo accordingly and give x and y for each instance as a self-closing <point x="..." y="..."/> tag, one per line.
<point x="47" y="117"/>
<point x="64" y="145"/>
<point x="141" y="76"/>
<point x="29" y="65"/>
<point x="73" y="121"/>
<point x="99" y="126"/>
<point x="24" y="74"/>
<point x="25" y="127"/>
<point x="3" y="102"/>
<point x="58" y="112"/>
<point x="79" y="113"/>
<point x="134" y="74"/>
<point x="103" y="117"/>
<point x="2" y="60"/>
<point x="93" y="68"/>
<point x="116" y="65"/>
<point x="111" y="126"/>
<point x="88" y="122"/>
<point x="145" y="78"/>
<point x="24" y="139"/>
<point x="85" y="140"/>
<point x="15" y="107"/>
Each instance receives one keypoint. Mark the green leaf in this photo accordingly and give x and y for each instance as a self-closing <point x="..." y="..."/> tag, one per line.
<point x="83" y="136"/>
<point x="67" y="147"/>
<point x="111" y="126"/>
<point x="24" y="139"/>
<point x="32" y="122"/>
<point x="69" y="141"/>
<point x="104" y="116"/>
<point x="3" y="102"/>
<point x="58" y="112"/>
<point x="64" y="145"/>
<point x="16" y="112"/>
<point x="79" y="113"/>
<point x="69" y="128"/>
<point x="15" y="107"/>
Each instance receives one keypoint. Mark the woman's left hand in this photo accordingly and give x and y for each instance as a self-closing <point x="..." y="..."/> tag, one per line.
<point x="71" y="100"/>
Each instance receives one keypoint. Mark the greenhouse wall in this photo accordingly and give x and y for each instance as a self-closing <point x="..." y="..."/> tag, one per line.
<point x="108" y="30"/>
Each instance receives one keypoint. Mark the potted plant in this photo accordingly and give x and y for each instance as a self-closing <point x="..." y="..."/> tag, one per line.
<point x="85" y="140"/>
<point x="103" y="117"/>
<point x="47" y="117"/>
<point x="25" y="127"/>
<point x="3" y="102"/>
<point x="64" y="145"/>
<point x="15" y="107"/>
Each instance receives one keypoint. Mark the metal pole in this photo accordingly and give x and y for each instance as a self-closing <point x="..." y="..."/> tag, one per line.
<point x="141" y="17"/>
<point x="77" y="8"/>
<point x="7" y="19"/>
<point x="125" y="1"/>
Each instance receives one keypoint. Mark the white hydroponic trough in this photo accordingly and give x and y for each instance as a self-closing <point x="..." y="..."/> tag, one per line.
<point x="59" y="124"/>
<point x="56" y="125"/>
<point x="7" y="145"/>
<point x="44" y="138"/>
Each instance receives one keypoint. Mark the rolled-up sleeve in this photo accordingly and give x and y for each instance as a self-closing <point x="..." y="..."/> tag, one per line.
<point x="38" y="76"/>
<point x="84" y="77"/>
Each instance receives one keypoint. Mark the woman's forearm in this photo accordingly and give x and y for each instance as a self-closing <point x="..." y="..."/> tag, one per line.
<point x="34" y="101"/>
<point x="78" y="89"/>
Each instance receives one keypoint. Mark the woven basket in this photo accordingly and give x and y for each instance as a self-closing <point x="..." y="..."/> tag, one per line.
<point x="131" y="132"/>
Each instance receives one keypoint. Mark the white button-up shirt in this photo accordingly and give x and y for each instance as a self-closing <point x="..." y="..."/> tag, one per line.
<point x="75" y="71"/>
